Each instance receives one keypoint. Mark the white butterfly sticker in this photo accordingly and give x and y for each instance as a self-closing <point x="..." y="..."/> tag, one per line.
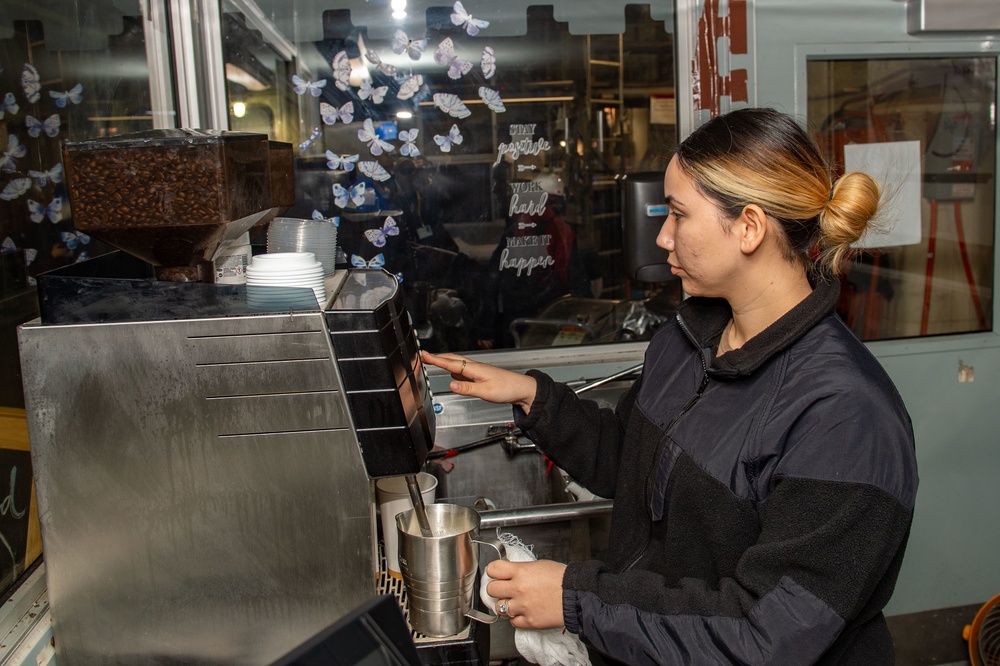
<point x="316" y="215"/>
<point x="491" y="98"/>
<point x="316" y="133"/>
<point x="43" y="178"/>
<point x="409" y="147"/>
<point x="15" y="189"/>
<point x="342" y="71"/>
<point x="356" y="195"/>
<point x="463" y="18"/>
<point x="445" y="141"/>
<point x="374" y="170"/>
<point x="39" y="212"/>
<point x="301" y="86"/>
<point x="409" y="87"/>
<point x="330" y="114"/>
<point x="383" y="67"/>
<point x="31" y="83"/>
<point x="74" y="95"/>
<point x="452" y="105"/>
<point x="445" y="55"/>
<point x="376" y="94"/>
<point x="377" y="237"/>
<point x="340" y="162"/>
<point x="15" y="150"/>
<point x="73" y="238"/>
<point x="376" y="145"/>
<point x="378" y="261"/>
<point x="414" y="48"/>
<point x="9" y="105"/>
<point x="488" y="62"/>
<point x="50" y="125"/>
<point x="8" y="245"/>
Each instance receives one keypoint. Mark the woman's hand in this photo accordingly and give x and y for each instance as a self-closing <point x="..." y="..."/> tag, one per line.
<point x="485" y="381"/>
<point x="531" y="590"/>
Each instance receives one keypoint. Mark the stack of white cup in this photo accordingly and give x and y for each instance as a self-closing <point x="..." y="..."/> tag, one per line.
<point x="284" y="269"/>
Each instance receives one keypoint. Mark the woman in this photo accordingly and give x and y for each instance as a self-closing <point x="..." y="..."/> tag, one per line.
<point x="762" y="468"/>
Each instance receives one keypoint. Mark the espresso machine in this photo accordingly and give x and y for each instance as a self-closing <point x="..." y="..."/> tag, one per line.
<point x="204" y="466"/>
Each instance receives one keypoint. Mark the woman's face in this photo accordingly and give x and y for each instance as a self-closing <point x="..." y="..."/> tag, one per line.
<point x="702" y="252"/>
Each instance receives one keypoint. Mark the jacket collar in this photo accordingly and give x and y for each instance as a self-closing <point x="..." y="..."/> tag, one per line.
<point x="703" y="320"/>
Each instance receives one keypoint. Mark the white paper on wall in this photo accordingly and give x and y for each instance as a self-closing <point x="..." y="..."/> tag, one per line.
<point x="896" y="168"/>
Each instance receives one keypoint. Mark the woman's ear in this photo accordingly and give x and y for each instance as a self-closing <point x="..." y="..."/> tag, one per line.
<point x="752" y="225"/>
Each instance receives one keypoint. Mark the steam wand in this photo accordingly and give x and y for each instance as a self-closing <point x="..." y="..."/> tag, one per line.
<point x="418" y="505"/>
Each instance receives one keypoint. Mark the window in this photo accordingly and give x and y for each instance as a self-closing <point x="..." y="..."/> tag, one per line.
<point x="933" y="272"/>
<point x="472" y="150"/>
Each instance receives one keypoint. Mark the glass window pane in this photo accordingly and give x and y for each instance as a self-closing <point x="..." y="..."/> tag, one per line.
<point x="67" y="72"/>
<point x="939" y="281"/>
<point x="476" y="162"/>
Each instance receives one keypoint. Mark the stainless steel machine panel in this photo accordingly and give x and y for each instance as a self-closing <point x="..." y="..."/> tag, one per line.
<point x="200" y="487"/>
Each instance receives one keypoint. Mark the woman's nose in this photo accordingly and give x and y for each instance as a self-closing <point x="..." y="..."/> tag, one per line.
<point x="665" y="238"/>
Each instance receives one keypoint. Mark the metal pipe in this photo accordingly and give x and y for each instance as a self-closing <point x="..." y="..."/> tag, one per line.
<point x="548" y="513"/>
<point x="609" y="378"/>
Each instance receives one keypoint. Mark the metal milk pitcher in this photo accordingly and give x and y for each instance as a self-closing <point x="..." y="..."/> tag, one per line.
<point x="439" y="571"/>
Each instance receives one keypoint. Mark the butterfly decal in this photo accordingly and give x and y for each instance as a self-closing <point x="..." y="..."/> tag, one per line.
<point x="488" y="62"/>
<point x="39" y="212"/>
<point x="342" y="71"/>
<point x="374" y="170"/>
<point x="301" y="86"/>
<point x="452" y="105"/>
<point x="463" y="18"/>
<point x="316" y="215"/>
<point x="414" y="48"/>
<point x="15" y="189"/>
<point x="73" y="238"/>
<point x="355" y="195"/>
<point x="378" y="261"/>
<point x="8" y="245"/>
<point x="9" y="105"/>
<point x="445" y="55"/>
<point x="454" y="137"/>
<point x="50" y="125"/>
<point x="410" y="86"/>
<point x="340" y="162"/>
<point x="43" y="178"/>
<point x="409" y="147"/>
<point x="316" y="133"/>
<point x="31" y="83"/>
<point x="376" y="145"/>
<point x="377" y="237"/>
<point x="376" y="94"/>
<point x="83" y="256"/>
<point x="330" y="113"/>
<point x="491" y="98"/>
<point x="15" y="150"/>
<point x="383" y="67"/>
<point x="74" y="95"/>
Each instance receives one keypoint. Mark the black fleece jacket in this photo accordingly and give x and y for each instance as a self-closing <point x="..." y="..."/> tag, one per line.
<point x="762" y="500"/>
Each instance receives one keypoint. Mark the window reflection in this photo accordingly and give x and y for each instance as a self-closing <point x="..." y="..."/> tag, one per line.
<point x="481" y="169"/>
<point x="941" y="281"/>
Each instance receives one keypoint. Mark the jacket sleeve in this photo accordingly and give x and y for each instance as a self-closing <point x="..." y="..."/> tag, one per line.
<point x="581" y="437"/>
<point x="826" y="551"/>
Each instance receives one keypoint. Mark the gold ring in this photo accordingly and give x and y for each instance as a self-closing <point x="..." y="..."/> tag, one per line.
<point x="464" y="361"/>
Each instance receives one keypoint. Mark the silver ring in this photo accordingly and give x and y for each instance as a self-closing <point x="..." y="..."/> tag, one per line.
<point x="502" y="608"/>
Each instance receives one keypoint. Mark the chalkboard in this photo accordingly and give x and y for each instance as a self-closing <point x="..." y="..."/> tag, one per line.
<point x="15" y="499"/>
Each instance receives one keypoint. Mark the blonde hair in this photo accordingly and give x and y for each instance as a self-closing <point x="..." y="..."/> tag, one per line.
<point x="763" y="157"/>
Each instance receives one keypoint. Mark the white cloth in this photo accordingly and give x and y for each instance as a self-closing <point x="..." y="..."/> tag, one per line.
<point x="548" y="647"/>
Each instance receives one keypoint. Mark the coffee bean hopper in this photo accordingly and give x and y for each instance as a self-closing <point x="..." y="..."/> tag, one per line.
<point x="204" y="467"/>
